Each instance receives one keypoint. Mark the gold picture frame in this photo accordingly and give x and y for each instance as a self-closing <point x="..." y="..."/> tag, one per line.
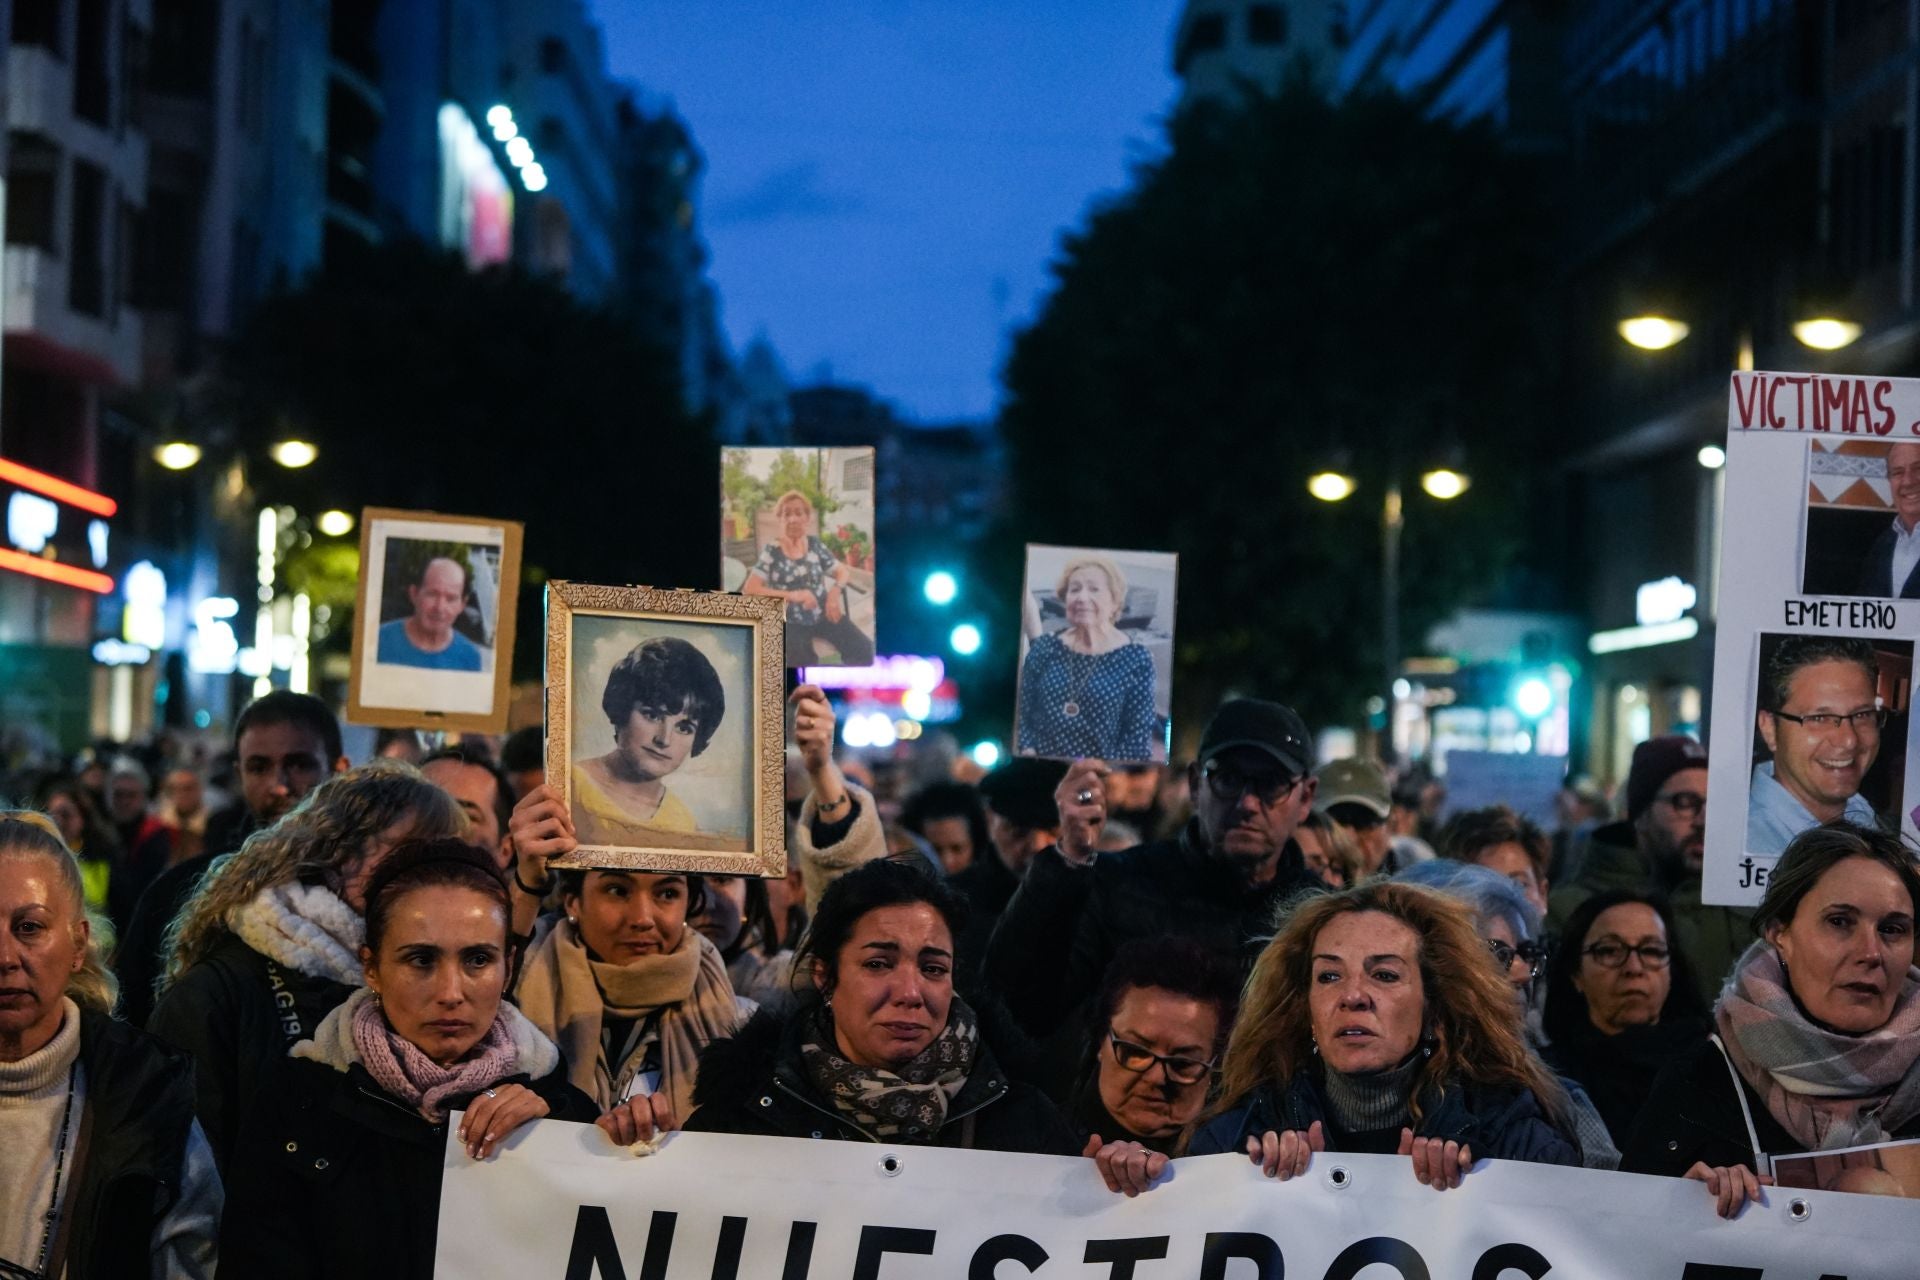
<point x="431" y="690"/>
<point x="714" y="773"/>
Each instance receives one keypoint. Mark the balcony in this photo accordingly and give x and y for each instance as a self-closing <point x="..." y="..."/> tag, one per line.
<point x="89" y="347"/>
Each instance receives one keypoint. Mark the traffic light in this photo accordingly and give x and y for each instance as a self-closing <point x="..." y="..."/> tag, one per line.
<point x="940" y="588"/>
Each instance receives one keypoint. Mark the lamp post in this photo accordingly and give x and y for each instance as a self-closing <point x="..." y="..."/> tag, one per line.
<point x="1442" y="483"/>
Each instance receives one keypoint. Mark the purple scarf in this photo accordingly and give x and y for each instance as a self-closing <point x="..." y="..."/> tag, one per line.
<point x="399" y="1067"/>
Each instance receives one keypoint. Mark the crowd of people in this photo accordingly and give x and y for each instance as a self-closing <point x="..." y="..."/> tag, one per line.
<point x="242" y="997"/>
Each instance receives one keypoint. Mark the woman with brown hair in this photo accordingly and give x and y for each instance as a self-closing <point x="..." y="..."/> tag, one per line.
<point x="1377" y="1021"/>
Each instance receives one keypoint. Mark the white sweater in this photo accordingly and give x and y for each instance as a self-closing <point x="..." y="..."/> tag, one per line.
<point x="33" y="1094"/>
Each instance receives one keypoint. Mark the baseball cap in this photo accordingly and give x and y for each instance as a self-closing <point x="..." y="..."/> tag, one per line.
<point x="1656" y="760"/>
<point x="1358" y="782"/>
<point x="1265" y="726"/>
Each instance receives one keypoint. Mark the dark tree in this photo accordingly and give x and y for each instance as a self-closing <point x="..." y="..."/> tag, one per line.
<point x="1286" y="283"/>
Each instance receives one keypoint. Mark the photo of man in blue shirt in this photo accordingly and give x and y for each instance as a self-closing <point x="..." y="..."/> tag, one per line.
<point x="1821" y="718"/>
<point x="426" y="637"/>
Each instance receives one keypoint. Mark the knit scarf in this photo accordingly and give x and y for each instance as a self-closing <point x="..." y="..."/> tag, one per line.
<point x="358" y="1031"/>
<point x="1827" y="1089"/>
<point x="568" y="994"/>
<point x="1363" y="1102"/>
<point x="306" y="927"/>
<point x="906" y="1105"/>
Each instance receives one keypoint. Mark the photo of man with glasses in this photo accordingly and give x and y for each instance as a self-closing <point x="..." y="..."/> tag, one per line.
<point x="1821" y="718"/>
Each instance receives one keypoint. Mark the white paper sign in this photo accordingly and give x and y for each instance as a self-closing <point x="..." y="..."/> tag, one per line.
<point x="1813" y="655"/>
<point x="562" y="1202"/>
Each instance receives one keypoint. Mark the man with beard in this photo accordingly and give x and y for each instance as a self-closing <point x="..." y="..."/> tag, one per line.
<point x="1218" y="882"/>
<point x="1660" y="848"/>
<point x="286" y="745"/>
<point x="1821" y="720"/>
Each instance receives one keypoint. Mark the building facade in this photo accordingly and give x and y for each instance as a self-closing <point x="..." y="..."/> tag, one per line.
<point x="1225" y="48"/>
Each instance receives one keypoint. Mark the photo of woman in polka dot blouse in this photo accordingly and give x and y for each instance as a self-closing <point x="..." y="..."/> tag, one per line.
<point x="1094" y="678"/>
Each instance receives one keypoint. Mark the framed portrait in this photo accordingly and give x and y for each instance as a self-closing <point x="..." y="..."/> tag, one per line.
<point x="666" y="728"/>
<point x="796" y="525"/>
<point x="1096" y="654"/>
<point x="434" y="622"/>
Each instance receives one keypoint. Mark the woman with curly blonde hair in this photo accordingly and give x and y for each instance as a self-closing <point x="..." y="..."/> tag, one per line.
<point x="1377" y="1021"/>
<point x="270" y="942"/>
<point x="145" y="1200"/>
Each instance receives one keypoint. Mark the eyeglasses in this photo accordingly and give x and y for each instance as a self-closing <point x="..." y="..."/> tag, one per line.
<point x="1865" y="720"/>
<point x="1613" y="955"/>
<point x="1684" y="803"/>
<point x="1506" y="955"/>
<point x="1228" y="783"/>
<point x="1137" y="1057"/>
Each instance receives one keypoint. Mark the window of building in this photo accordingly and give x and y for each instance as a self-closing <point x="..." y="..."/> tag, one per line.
<point x="87" y="241"/>
<point x="1207" y="33"/>
<point x="164" y="251"/>
<point x="1266" y="24"/>
<point x="33" y="190"/>
<point x="180" y="58"/>
<point x="93" y="63"/>
<point x="40" y="23"/>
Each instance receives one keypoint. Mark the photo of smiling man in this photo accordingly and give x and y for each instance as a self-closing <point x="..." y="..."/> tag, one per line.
<point x="1824" y="713"/>
<point x="426" y="637"/>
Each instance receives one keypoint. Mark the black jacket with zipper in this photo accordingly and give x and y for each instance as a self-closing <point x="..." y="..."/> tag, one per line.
<point x="336" y="1177"/>
<point x="754" y="1083"/>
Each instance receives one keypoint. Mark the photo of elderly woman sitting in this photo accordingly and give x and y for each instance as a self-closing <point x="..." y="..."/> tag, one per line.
<point x="799" y="568"/>
<point x="1087" y="682"/>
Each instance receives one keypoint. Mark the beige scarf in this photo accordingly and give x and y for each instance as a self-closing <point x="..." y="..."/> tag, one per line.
<point x="568" y="994"/>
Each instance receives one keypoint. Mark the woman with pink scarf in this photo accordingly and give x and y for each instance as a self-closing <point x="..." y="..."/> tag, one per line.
<point x="340" y="1173"/>
<point x="1817" y="1031"/>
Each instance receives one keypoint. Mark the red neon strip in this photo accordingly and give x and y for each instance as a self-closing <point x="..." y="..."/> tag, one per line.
<point x="54" y="487"/>
<point x="54" y="571"/>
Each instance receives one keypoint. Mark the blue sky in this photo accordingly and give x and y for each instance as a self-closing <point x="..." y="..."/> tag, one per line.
<point x="888" y="179"/>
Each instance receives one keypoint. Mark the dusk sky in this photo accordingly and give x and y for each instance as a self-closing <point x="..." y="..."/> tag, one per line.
<point x="888" y="179"/>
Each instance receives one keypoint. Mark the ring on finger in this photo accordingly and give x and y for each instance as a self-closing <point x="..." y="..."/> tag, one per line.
<point x="1085" y="796"/>
<point x="488" y="1092"/>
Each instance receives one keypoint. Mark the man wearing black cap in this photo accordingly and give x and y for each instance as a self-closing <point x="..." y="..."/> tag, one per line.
<point x="1217" y="883"/>
<point x="1661" y="846"/>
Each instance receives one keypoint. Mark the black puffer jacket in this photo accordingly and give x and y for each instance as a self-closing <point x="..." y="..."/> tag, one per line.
<point x="755" y="1083"/>
<point x="1498" y="1124"/>
<point x="237" y="1014"/>
<point x="336" y="1177"/>
<point x="139" y="1113"/>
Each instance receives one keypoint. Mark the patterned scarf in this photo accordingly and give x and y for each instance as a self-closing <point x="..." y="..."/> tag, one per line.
<point x="399" y="1067"/>
<point x="1827" y="1089"/>
<point x="889" y="1104"/>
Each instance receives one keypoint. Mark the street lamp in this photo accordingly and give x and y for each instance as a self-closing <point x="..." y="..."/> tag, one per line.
<point x="965" y="639"/>
<point x="1712" y="457"/>
<point x="293" y="454"/>
<point x="1330" y="486"/>
<point x="1653" y="332"/>
<point x="1444" y="483"/>
<point x="335" y="524"/>
<point x="1826" y="333"/>
<point x="177" y="455"/>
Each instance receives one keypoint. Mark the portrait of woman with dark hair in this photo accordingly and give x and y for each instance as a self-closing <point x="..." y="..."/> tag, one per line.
<point x="663" y="702"/>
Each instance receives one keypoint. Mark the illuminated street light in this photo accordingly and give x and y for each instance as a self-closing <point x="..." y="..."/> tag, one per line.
<point x="293" y="454"/>
<point x="1330" y="486"/>
<point x="335" y="524"/>
<point x="177" y="455"/>
<point x="985" y="754"/>
<point x="965" y="639"/>
<point x="1826" y="333"/>
<point x="1444" y="483"/>
<point x="1653" y="333"/>
<point x="1533" y="698"/>
<point x="1712" y="457"/>
<point x="519" y="152"/>
<point x="533" y="178"/>
<point x="498" y="114"/>
<point x="940" y="587"/>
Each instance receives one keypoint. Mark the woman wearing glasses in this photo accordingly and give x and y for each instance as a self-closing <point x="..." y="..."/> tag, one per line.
<point x="1164" y="1013"/>
<point x="1373" y="1022"/>
<point x="882" y="1049"/>
<point x="1816" y="1041"/>
<point x="1621" y="1003"/>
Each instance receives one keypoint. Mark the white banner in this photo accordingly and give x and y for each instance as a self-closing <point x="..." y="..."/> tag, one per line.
<point x="1819" y="466"/>
<point x="561" y="1203"/>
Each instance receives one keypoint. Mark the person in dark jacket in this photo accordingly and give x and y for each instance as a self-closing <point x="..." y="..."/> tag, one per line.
<point x="882" y="1050"/>
<point x="339" y="1174"/>
<point x="950" y="817"/>
<point x="104" y="1173"/>
<point x="1816" y="1040"/>
<point x="287" y="744"/>
<point x="1621" y="1003"/>
<point x="270" y="942"/>
<point x="1218" y="883"/>
<point x="1376" y="1021"/>
<point x="1163" y="1015"/>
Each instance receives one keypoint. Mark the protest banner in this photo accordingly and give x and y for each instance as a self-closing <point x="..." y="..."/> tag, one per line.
<point x="1818" y="608"/>
<point x="561" y="1202"/>
<point x="1527" y="784"/>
